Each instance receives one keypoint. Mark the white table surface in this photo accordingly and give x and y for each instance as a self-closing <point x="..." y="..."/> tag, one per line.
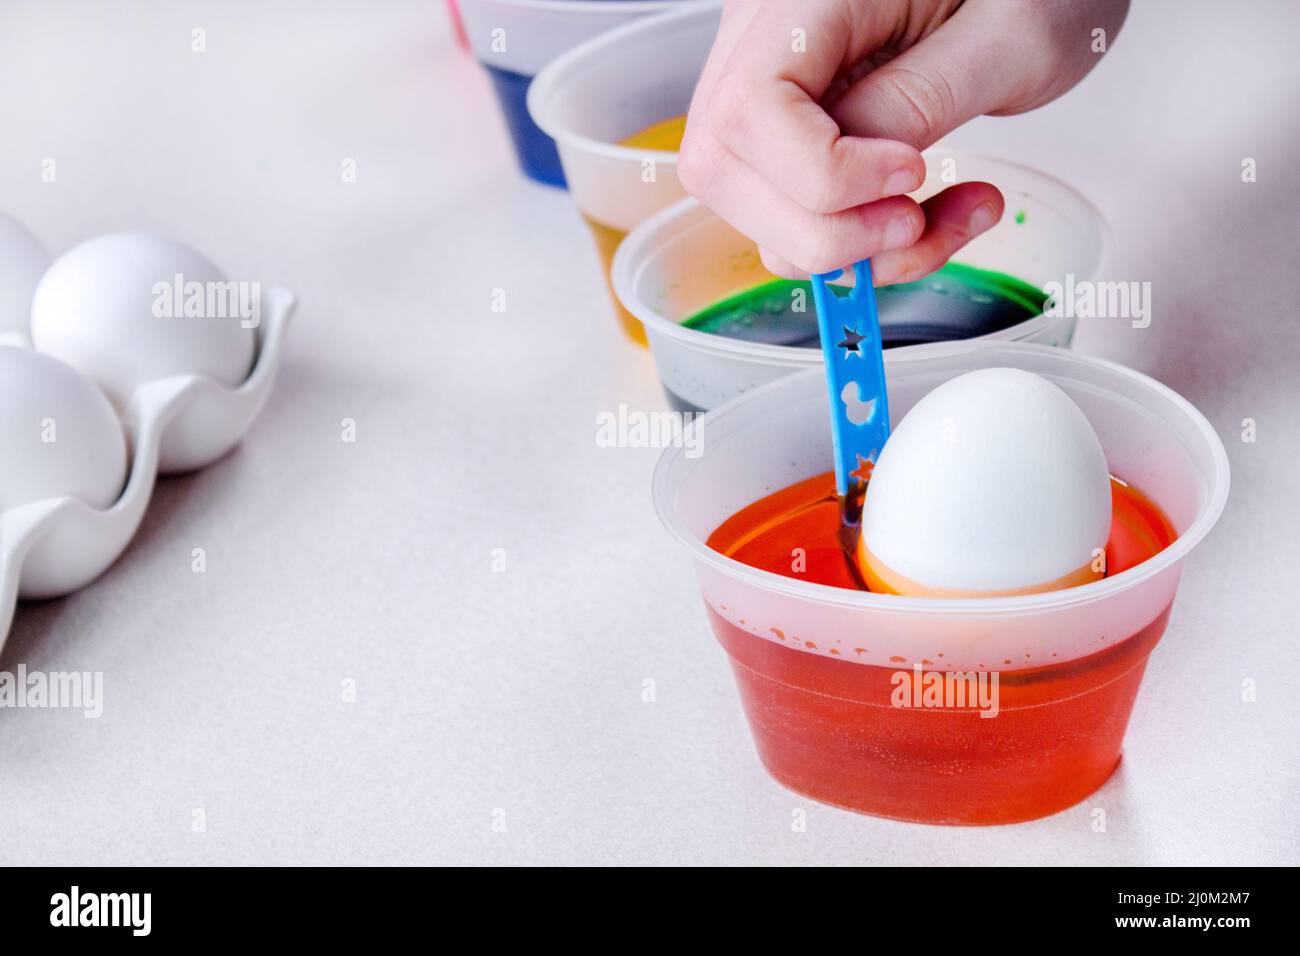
<point x="517" y="695"/>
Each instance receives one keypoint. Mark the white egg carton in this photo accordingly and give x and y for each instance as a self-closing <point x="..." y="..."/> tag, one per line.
<point x="97" y="397"/>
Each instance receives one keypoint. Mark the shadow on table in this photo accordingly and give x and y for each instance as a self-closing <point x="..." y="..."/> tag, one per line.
<point x="36" y="622"/>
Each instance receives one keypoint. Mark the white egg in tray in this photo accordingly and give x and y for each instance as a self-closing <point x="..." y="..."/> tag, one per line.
<point x="127" y="356"/>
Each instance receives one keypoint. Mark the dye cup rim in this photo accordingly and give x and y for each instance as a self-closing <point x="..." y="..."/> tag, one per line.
<point x="549" y="80"/>
<point x="633" y="249"/>
<point x="1032" y="604"/>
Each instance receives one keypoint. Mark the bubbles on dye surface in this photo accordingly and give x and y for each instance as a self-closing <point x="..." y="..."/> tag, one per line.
<point x="958" y="302"/>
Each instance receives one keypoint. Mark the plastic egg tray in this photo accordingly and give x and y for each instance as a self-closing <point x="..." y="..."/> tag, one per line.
<point x="68" y="512"/>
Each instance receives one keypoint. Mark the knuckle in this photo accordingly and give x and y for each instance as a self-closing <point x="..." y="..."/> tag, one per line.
<point x="924" y="101"/>
<point x="825" y="187"/>
<point x="727" y="113"/>
<point x="694" y="168"/>
<point x="822" y="190"/>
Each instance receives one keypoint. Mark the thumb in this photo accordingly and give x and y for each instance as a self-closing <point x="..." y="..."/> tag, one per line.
<point x="962" y="70"/>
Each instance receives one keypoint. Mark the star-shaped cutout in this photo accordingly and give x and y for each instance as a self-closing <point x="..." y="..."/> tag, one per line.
<point x="851" y="341"/>
<point x="863" y="472"/>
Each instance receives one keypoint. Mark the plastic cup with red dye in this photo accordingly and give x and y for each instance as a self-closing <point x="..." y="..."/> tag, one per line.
<point x="856" y="699"/>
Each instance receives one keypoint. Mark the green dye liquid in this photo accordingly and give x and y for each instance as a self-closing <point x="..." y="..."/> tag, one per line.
<point x="957" y="302"/>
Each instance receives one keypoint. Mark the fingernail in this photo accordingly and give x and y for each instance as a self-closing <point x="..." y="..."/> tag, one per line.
<point x="983" y="218"/>
<point x="901" y="181"/>
<point x="899" y="233"/>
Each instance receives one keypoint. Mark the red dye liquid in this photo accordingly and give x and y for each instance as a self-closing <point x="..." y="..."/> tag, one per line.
<point x="826" y="727"/>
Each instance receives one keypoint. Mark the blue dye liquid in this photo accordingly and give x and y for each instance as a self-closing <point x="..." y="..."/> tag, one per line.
<point x="535" y="150"/>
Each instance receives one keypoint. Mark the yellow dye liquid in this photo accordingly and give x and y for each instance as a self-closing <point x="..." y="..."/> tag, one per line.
<point x="666" y="135"/>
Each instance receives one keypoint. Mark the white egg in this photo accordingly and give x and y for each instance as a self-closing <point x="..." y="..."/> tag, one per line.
<point x="993" y="482"/>
<point x="58" y="434"/>
<point x="107" y="307"/>
<point x="22" y="262"/>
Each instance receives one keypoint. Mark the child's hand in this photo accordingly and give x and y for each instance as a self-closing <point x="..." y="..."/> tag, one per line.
<point x="809" y="149"/>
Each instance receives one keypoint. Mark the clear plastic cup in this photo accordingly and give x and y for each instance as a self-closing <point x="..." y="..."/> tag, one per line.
<point x="514" y="39"/>
<point x="685" y="259"/>
<point x="608" y="89"/>
<point x="815" y="665"/>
